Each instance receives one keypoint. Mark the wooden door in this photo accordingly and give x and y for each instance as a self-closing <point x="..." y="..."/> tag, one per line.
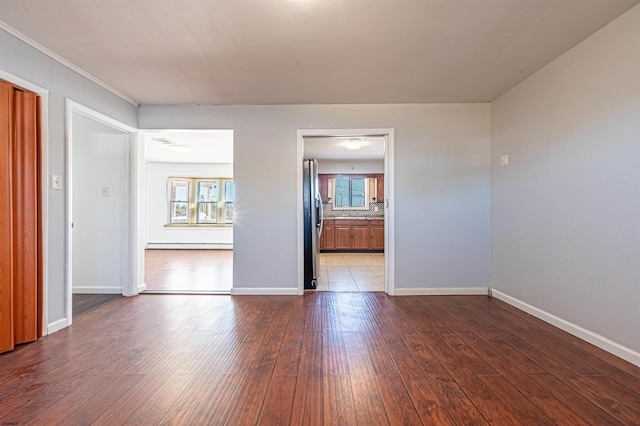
<point x="20" y="251"/>
<point x="6" y="213"/>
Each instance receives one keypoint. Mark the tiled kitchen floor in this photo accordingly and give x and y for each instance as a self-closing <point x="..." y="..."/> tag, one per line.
<point x="351" y="272"/>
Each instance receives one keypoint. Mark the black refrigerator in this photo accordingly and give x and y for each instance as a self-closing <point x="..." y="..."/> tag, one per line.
<point x="313" y="211"/>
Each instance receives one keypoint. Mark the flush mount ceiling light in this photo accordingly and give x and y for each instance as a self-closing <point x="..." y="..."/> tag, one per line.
<point x="354" y="143"/>
<point x="176" y="147"/>
<point x="179" y="148"/>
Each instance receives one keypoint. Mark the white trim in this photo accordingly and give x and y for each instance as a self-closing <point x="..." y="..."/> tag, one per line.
<point x="262" y="291"/>
<point x="138" y="212"/>
<point x="589" y="336"/>
<point x="389" y="217"/>
<point x="442" y="291"/>
<point x="191" y="246"/>
<point x="17" y="34"/>
<point x="58" y="325"/>
<point x="44" y="170"/>
<point x="129" y="289"/>
<point x="96" y="290"/>
<point x="98" y="116"/>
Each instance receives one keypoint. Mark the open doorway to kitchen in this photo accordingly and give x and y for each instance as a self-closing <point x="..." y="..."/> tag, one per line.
<point x="189" y="198"/>
<point x="354" y="171"/>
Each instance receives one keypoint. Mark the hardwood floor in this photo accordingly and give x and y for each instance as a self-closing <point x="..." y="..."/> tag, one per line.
<point x="189" y="271"/>
<point x="322" y="358"/>
<point x="87" y="302"/>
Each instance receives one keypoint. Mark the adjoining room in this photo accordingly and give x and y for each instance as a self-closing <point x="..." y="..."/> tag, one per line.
<point x="188" y="211"/>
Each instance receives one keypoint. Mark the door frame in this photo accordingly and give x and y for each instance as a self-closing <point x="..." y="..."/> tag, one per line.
<point x="129" y="271"/>
<point x="44" y="196"/>
<point x="389" y="217"/>
<point x="139" y="190"/>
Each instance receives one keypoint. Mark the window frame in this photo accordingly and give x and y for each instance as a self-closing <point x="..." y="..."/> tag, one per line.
<point x="223" y="209"/>
<point x="369" y="189"/>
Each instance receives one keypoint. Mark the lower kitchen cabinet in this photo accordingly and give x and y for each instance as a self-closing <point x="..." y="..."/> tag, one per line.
<point x="327" y="239"/>
<point x="377" y="234"/>
<point x="353" y="234"/>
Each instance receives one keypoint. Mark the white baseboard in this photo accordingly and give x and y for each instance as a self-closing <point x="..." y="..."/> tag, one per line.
<point x="96" y="290"/>
<point x="268" y="291"/>
<point x="142" y="287"/>
<point x="456" y="291"/>
<point x="190" y="246"/>
<point x="57" y="325"/>
<point x="594" y="338"/>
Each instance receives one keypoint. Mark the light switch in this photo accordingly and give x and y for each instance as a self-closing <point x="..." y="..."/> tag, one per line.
<point x="504" y="160"/>
<point x="56" y="182"/>
<point x="105" y="191"/>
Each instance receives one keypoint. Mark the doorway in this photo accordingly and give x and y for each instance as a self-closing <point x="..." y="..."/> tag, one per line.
<point x="98" y="207"/>
<point x="188" y="211"/>
<point x="356" y="218"/>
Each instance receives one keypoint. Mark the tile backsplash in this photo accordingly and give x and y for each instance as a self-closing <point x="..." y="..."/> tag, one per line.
<point x="329" y="212"/>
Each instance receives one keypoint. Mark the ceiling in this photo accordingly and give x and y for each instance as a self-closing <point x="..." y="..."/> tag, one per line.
<point x="207" y="146"/>
<point x="309" y="51"/>
<point x="334" y="148"/>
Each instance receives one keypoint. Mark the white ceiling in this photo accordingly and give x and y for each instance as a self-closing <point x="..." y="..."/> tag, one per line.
<point x="207" y="146"/>
<point x="310" y="51"/>
<point x="333" y="148"/>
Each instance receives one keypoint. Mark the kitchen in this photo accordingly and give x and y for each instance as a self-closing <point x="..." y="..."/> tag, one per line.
<point x="345" y="187"/>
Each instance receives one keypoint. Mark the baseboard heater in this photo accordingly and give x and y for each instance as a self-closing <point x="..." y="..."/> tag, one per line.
<point x="191" y="246"/>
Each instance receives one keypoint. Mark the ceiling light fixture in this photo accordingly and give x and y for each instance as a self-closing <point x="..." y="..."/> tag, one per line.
<point x="354" y="143"/>
<point x="179" y="148"/>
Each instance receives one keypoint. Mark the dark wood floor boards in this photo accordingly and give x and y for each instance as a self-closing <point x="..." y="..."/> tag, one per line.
<point x="323" y="358"/>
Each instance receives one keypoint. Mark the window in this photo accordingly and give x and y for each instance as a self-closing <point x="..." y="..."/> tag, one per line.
<point x="352" y="192"/>
<point x="178" y="201"/>
<point x="200" y="201"/>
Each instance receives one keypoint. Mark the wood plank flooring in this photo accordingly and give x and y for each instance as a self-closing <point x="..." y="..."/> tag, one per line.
<point x="322" y="358"/>
<point x="189" y="271"/>
<point x="87" y="302"/>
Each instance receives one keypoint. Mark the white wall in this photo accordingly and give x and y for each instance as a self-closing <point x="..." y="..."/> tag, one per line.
<point x="566" y="211"/>
<point x="21" y="60"/>
<point x="156" y="206"/>
<point x="100" y="223"/>
<point x="441" y="185"/>
<point x="362" y="167"/>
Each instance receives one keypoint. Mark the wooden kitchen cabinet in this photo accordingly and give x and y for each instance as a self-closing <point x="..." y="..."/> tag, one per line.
<point x="343" y="237"/>
<point x="360" y="236"/>
<point x="377" y="234"/>
<point x="350" y="234"/>
<point x="327" y="239"/>
<point x="380" y="188"/>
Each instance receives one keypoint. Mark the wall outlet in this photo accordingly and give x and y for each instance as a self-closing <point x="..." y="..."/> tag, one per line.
<point x="504" y="160"/>
<point x="56" y="182"/>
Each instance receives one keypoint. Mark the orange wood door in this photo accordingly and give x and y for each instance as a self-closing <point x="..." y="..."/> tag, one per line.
<point x="25" y="218"/>
<point x="20" y="212"/>
<point x="6" y="229"/>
